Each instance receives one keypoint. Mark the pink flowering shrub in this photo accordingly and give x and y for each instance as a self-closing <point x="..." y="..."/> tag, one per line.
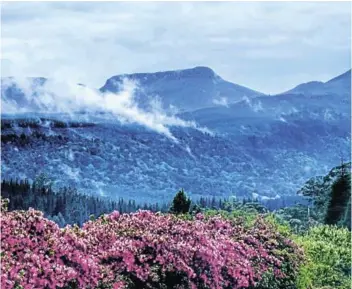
<point x="139" y="250"/>
<point x="35" y="253"/>
<point x="274" y="239"/>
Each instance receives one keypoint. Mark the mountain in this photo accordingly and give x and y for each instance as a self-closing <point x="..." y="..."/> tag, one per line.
<point x="340" y="85"/>
<point x="187" y="89"/>
<point x="269" y="145"/>
<point x="326" y="108"/>
<point x="181" y="90"/>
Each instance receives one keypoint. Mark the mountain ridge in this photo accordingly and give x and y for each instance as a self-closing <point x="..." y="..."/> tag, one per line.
<point x="186" y="89"/>
<point x="340" y="85"/>
<point x="189" y="89"/>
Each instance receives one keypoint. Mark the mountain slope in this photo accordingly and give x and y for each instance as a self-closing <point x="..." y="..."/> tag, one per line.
<point x="262" y="110"/>
<point x="267" y="144"/>
<point x="186" y="89"/>
<point x="340" y="85"/>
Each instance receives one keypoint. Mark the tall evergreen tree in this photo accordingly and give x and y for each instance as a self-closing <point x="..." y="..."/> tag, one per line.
<point x="346" y="221"/>
<point x="340" y="196"/>
<point x="181" y="203"/>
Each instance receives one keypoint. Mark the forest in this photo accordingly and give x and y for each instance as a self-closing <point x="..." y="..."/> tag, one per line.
<point x="65" y="239"/>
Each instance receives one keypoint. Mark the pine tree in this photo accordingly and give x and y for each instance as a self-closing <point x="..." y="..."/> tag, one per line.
<point x="340" y="196"/>
<point x="213" y="203"/>
<point x="180" y="204"/>
<point x="346" y="221"/>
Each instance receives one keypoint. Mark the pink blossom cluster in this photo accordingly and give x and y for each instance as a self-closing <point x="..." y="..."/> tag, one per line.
<point x="35" y="253"/>
<point x="138" y="250"/>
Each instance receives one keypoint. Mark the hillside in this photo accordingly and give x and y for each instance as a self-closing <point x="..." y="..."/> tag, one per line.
<point x="254" y="145"/>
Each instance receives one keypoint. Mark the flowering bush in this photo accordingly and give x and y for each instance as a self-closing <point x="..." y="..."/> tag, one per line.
<point x="275" y="238"/>
<point x="35" y="253"/>
<point x="139" y="250"/>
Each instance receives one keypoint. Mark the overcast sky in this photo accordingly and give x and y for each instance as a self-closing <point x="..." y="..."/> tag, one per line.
<point x="269" y="47"/>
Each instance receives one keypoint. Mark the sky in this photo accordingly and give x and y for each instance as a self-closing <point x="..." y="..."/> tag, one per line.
<point x="267" y="46"/>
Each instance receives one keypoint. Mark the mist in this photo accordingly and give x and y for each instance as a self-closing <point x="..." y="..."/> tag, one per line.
<point x="52" y="97"/>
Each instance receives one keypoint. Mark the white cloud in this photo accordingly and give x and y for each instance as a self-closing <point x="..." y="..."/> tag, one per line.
<point x="282" y="119"/>
<point x="69" y="98"/>
<point x="221" y="101"/>
<point x="254" y="104"/>
<point x="255" y="44"/>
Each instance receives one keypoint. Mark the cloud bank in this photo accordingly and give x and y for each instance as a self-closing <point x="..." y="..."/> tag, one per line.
<point x="71" y="98"/>
<point x="267" y="46"/>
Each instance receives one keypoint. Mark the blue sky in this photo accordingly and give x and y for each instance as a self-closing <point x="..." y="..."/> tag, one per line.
<point x="270" y="47"/>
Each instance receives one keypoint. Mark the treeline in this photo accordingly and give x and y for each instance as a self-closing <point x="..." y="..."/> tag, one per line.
<point x="327" y="200"/>
<point x="66" y="205"/>
<point x="181" y="204"/>
<point x="269" y="204"/>
<point x="40" y="122"/>
<point x="25" y="139"/>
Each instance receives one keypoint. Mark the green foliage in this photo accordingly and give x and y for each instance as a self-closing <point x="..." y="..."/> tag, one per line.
<point x="246" y="217"/>
<point x="181" y="203"/>
<point x="328" y="258"/>
<point x="247" y="211"/>
<point x="317" y="190"/>
<point x="339" y="200"/>
<point x="281" y="227"/>
<point x="300" y="218"/>
<point x="329" y="197"/>
<point x="4" y="204"/>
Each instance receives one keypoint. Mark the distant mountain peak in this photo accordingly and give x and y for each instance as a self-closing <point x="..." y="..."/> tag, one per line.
<point x="186" y="89"/>
<point x="339" y="85"/>
<point x="199" y="70"/>
<point x="195" y="72"/>
<point x="205" y="68"/>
